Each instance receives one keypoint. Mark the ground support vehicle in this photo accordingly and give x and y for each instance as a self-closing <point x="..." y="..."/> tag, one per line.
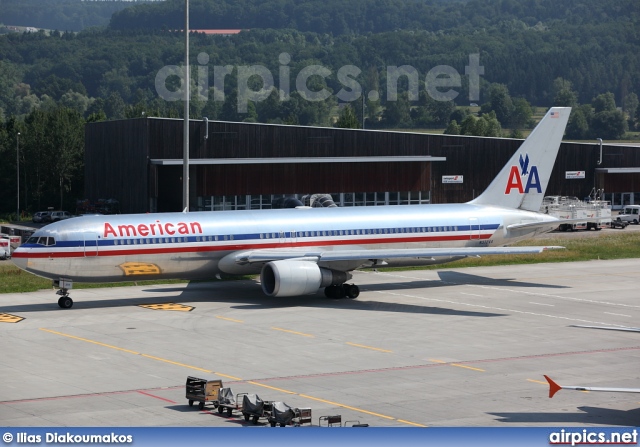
<point x="629" y="214"/>
<point x="283" y="415"/>
<point x="593" y="214"/>
<point x="621" y="224"/>
<point x="330" y="421"/>
<point x="250" y="405"/>
<point x="202" y="391"/>
<point x="229" y="402"/>
<point x="5" y="250"/>
<point x="255" y="408"/>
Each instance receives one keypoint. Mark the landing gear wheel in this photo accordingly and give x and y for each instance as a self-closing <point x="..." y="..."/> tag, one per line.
<point x="335" y="292"/>
<point x="65" y="302"/>
<point x="351" y="290"/>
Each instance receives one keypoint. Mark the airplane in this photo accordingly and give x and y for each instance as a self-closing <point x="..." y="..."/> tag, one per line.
<point x="554" y="387"/>
<point x="299" y="251"/>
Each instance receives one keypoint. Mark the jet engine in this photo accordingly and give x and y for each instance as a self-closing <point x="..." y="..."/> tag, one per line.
<point x="294" y="278"/>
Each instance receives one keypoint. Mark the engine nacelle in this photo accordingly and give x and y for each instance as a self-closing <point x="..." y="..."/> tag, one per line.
<point x="295" y="278"/>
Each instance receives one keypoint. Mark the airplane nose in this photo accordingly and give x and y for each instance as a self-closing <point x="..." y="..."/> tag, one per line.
<point x="19" y="258"/>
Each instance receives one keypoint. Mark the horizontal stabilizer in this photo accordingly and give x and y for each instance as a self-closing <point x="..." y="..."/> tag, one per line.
<point x="610" y="328"/>
<point x="554" y="388"/>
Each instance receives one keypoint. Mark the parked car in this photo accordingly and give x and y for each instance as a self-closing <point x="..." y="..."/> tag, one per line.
<point x="621" y="224"/>
<point x="41" y="216"/>
<point x="59" y="215"/>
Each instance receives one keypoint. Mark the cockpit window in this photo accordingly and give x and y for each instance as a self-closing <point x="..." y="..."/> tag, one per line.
<point x="42" y="240"/>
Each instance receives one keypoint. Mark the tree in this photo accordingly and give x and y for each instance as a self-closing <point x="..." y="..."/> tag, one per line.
<point x="609" y="125"/>
<point x="630" y="106"/>
<point x="563" y="93"/>
<point x="500" y="102"/>
<point x="578" y="125"/>
<point x="522" y="113"/>
<point x="348" y="118"/>
<point x="468" y="126"/>
<point x="453" y="128"/>
<point x="604" y="102"/>
<point x="397" y="113"/>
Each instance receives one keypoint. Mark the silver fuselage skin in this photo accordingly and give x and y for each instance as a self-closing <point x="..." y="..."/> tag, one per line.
<point x="198" y="245"/>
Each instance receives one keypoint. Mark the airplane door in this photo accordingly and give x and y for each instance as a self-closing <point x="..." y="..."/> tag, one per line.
<point x="474" y="227"/>
<point x="90" y="244"/>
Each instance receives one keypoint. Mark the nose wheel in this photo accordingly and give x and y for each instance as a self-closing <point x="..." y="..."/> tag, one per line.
<point x="65" y="301"/>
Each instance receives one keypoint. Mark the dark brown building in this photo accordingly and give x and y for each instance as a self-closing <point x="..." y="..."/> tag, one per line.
<point x="246" y="165"/>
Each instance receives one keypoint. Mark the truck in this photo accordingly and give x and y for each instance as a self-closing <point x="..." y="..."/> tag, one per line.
<point x="596" y="213"/>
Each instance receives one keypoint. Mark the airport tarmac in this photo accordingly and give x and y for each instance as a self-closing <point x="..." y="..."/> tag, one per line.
<point x="453" y="347"/>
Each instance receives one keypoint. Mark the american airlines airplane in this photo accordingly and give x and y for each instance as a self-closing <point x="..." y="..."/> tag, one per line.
<point x="298" y="251"/>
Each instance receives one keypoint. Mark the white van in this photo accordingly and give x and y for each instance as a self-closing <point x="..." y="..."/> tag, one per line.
<point x="630" y="213"/>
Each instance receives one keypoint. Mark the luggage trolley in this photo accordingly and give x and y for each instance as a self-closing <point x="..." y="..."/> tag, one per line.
<point x="250" y="405"/>
<point x="228" y="401"/>
<point x="254" y="408"/>
<point x="283" y="415"/>
<point x="202" y="391"/>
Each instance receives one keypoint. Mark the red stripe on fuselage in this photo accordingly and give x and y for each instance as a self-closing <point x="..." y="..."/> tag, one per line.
<point x="199" y="247"/>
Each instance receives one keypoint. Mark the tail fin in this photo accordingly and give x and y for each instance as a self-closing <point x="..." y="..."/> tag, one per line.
<point x="523" y="181"/>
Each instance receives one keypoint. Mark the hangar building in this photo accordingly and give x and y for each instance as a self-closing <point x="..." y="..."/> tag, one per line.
<point x="246" y="165"/>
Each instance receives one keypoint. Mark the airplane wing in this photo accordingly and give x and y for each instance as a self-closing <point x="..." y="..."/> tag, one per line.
<point x="320" y="255"/>
<point x="554" y="388"/>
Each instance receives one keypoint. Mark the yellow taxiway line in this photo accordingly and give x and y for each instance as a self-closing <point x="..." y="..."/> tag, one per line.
<point x="359" y="410"/>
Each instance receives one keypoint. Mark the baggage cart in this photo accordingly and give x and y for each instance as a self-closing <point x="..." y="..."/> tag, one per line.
<point x="202" y="391"/>
<point x="283" y="415"/>
<point x="255" y="408"/>
<point x="229" y="402"/>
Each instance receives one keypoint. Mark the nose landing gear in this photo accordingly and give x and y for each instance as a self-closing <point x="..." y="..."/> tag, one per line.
<point x="63" y="286"/>
<point x="65" y="301"/>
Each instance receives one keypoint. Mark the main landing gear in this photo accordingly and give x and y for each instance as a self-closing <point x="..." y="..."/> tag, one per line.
<point x="65" y="301"/>
<point x="342" y="291"/>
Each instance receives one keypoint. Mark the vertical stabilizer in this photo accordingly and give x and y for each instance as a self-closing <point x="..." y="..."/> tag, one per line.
<point x="522" y="182"/>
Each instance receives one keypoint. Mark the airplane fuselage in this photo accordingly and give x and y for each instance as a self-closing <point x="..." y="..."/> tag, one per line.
<point x="198" y="245"/>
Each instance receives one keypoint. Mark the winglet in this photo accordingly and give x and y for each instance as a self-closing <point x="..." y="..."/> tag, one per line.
<point x="553" y="387"/>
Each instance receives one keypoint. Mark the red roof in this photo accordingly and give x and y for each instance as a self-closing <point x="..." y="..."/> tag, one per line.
<point x="217" y="31"/>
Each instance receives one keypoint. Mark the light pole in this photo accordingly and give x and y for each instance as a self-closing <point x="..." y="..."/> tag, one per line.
<point x="18" y="175"/>
<point x="185" y="141"/>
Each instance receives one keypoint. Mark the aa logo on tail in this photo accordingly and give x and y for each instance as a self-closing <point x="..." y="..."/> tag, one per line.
<point x="516" y="177"/>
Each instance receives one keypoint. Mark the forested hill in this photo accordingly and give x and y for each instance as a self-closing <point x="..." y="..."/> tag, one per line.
<point x="63" y="15"/>
<point x="370" y="16"/>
